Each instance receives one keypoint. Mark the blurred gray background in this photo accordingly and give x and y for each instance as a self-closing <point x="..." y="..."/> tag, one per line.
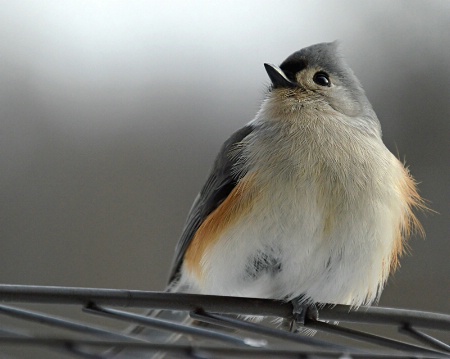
<point x="111" y="113"/>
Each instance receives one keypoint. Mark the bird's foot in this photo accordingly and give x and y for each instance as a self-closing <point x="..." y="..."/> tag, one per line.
<point x="303" y="312"/>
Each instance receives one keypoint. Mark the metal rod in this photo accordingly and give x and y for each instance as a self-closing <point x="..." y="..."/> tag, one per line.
<point x="234" y="323"/>
<point x="66" y="348"/>
<point x="169" y="326"/>
<point x="424" y="338"/>
<point x="379" y="315"/>
<point x="367" y="337"/>
<point x="216" y="304"/>
<point x="144" y="299"/>
<point x="63" y="323"/>
<point x="187" y="349"/>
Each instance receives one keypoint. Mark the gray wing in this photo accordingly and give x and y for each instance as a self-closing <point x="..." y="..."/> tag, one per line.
<point x="221" y="181"/>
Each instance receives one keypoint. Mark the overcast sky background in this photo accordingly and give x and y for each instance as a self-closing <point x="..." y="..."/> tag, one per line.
<point x="111" y="113"/>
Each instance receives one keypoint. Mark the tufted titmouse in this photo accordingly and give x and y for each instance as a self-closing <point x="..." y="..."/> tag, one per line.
<point x="305" y="201"/>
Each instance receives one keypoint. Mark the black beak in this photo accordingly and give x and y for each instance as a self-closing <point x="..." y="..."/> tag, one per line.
<point x="278" y="77"/>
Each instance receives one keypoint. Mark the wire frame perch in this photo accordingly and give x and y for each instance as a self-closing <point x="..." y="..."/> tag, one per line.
<point x="82" y="338"/>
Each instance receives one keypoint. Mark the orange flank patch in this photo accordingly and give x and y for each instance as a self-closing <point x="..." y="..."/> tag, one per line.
<point x="409" y="223"/>
<point x="238" y="203"/>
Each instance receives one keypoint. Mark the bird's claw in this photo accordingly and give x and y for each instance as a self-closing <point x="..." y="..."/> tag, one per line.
<point x="303" y="312"/>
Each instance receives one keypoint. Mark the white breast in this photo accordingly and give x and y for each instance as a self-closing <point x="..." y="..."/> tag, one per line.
<point x="324" y="227"/>
<point x="347" y="265"/>
<point x="327" y="217"/>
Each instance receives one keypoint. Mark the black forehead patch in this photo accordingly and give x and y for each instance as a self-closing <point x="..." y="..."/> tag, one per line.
<point x="324" y="55"/>
<point x="292" y="65"/>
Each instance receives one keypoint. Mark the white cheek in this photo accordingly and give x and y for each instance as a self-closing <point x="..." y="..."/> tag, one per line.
<point x="343" y="102"/>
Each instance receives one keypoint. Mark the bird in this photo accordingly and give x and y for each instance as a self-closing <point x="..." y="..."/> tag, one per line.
<point x="305" y="202"/>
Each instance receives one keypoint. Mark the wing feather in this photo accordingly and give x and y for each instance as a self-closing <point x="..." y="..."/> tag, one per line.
<point x="223" y="177"/>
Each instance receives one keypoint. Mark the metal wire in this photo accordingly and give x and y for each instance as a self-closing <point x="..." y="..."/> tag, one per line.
<point x="165" y="325"/>
<point x="252" y="340"/>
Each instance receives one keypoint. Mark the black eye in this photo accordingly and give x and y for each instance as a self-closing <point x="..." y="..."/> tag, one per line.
<point x="322" y="79"/>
